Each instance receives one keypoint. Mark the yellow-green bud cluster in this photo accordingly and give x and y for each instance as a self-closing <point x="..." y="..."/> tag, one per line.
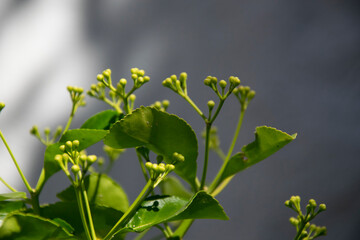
<point x="76" y="94"/>
<point x="244" y="94"/>
<point x="161" y="106"/>
<point x="48" y="139"/>
<point x="158" y="171"/>
<point x="2" y="105"/>
<point x="97" y="90"/>
<point x="177" y="157"/>
<point x="302" y="222"/>
<point x="176" y="84"/>
<point x="213" y="83"/>
<point x="139" y="77"/>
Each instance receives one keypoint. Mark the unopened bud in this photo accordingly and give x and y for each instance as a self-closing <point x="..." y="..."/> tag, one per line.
<point x="146" y="79"/>
<point x="2" y="105"/>
<point x="211" y="104"/>
<point x="183" y="77"/>
<point x="123" y="82"/>
<point x="134" y="76"/>
<point x="76" y="143"/>
<point x="62" y="148"/>
<point x="58" y="158"/>
<point x="83" y="158"/>
<point x="68" y="144"/>
<point x="34" y="130"/>
<point x="141" y="72"/>
<point x="100" y="77"/>
<point x="251" y="95"/>
<point x="140" y="80"/>
<point x="294" y="221"/>
<point x="207" y="81"/>
<point x="214" y="80"/>
<point x="148" y="165"/>
<point x="132" y="97"/>
<point x="107" y="73"/>
<point x="322" y="207"/>
<point x="173" y="77"/>
<point x="165" y="103"/>
<point x="157" y="105"/>
<point x="312" y="203"/>
<point x="222" y="83"/>
<point x="234" y="80"/>
<point x="91" y="159"/>
<point x="170" y="167"/>
<point x="75" y="169"/>
<point x="134" y="70"/>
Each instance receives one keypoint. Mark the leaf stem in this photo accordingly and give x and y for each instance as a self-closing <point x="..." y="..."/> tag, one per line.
<point x="215" y="182"/>
<point x="16" y="164"/>
<point x="132" y="210"/>
<point x="7" y="185"/>
<point x="81" y="210"/>
<point x="206" y="159"/>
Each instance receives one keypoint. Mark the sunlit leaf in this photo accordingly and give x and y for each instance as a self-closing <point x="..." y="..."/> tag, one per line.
<point x="102" y="120"/>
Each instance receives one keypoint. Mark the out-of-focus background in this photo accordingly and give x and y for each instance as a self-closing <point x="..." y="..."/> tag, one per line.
<point x="301" y="57"/>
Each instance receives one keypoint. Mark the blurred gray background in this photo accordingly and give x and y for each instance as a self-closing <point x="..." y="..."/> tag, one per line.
<point x="301" y="57"/>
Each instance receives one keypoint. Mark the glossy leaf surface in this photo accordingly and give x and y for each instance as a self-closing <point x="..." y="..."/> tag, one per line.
<point x="104" y="218"/>
<point x="161" y="132"/>
<point x="268" y="140"/>
<point x="87" y="137"/>
<point x="102" y="120"/>
<point x="7" y="207"/>
<point x="160" y="209"/>
<point x="12" y="195"/>
<point x="102" y="191"/>
<point x="21" y="226"/>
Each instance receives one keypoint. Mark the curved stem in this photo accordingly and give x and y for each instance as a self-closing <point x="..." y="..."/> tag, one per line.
<point x="206" y="159"/>
<point x="7" y="185"/>
<point x="87" y="206"/>
<point x="131" y="211"/>
<point x="215" y="182"/>
<point x="16" y="164"/>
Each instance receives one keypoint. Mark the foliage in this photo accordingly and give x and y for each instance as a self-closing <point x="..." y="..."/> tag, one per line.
<point x="94" y="206"/>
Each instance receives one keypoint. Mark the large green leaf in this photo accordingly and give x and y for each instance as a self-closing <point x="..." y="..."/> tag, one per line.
<point x="268" y="140"/>
<point x="104" y="218"/>
<point x="159" y="209"/>
<point x="12" y="195"/>
<point x="102" y="120"/>
<point x="21" y="226"/>
<point x="162" y="133"/>
<point x="7" y="207"/>
<point x="86" y="137"/>
<point x="102" y="191"/>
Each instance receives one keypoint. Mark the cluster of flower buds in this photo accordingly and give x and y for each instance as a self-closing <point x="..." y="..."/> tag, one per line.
<point x="212" y="82"/>
<point x="139" y="77"/>
<point x="161" y="106"/>
<point x="177" y="157"/>
<point x="176" y="84"/>
<point x="48" y="138"/>
<point x="244" y="94"/>
<point x="158" y="171"/>
<point x="2" y="105"/>
<point x="306" y="230"/>
<point x="97" y="91"/>
<point x="77" y="97"/>
<point x="79" y="160"/>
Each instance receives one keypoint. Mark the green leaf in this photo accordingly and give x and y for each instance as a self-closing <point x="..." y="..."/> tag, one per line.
<point x="21" y="226"/>
<point x="102" y="191"/>
<point x="159" y="209"/>
<point x="268" y="140"/>
<point x="104" y="218"/>
<point x="102" y="120"/>
<point x="7" y="207"/>
<point x="161" y="132"/>
<point x="172" y="186"/>
<point x="86" y="137"/>
<point x="12" y="195"/>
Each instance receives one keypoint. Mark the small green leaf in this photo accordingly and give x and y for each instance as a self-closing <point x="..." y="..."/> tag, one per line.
<point x="23" y="226"/>
<point x="159" y="209"/>
<point x="268" y="140"/>
<point x="172" y="186"/>
<point x="7" y="207"/>
<point x="102" y="120"/>
<point x="12" y="195"/>
<point x="162" y="133"/>
<point x="104" y="218"/>
<point x="87" y="137"/>
<point x="102" y="191"/>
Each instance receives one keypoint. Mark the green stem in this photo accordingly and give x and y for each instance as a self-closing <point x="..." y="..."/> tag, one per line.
<point x="186" y="97"/>
<point x="183" y="228"/>
<point x="142" y="166"/>
<point x="69" y="121"/>
<point x="217" y="110"/>
<point x="82" y="213"/>
<point x="215" y="182"/>
<point x="87" y="206"/>
<point x="16" y="164"/>
<point x="206" y="159"/>
<point x="35" y="202"/>
<point x="7" y="185"/>
<point x="131" y="211"/>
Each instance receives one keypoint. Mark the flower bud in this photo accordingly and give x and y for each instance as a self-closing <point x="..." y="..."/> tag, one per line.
<point x="294" y="221"/>
<point x="155" y="167"/>
<point x="170" y="167"/>
<point x="214" y="80"/>
<point x="157" y="105"/>
<point x="322" y="207"/>
<point x="123" y="82"/>
<point x="75" y="169"/>
<point x="2" y="105"/>
<point x="251" y="95"/>
<point x="207" y="81"/>
<point x="222" y="83"/>
<point x="65" y="157"/>
<point x="134" y="70"/>
<point x="68" y="144"/>
<point x="76" y="143"/>
<point x="146" y="79"/>
<point x="148" y="165"/>
<point x="178" y="157"/>
<point x="91" y="159"/>
<point x="132" y="97"/>
<point x="161" y="168"/>
<point x="100" y="77"/>
<point x="173" y="77"/>
<point x="312" y="203"/>
<point x="83" y="158"/>
<point x="167" y="82"/>
<point x="62" y="148"/>
<point x="234" y="80"/>
<point x="140" y="80"/>
<point x="34" y="130"/>
<point x="107" y="73"/>
<point x="211" y="104"/>
<point x="165" y="103"/>
<point x="58" y="158"/>
<point x="141" y="72"/>
<point x="183" y="77"/>
<point x="134" y="76"/>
